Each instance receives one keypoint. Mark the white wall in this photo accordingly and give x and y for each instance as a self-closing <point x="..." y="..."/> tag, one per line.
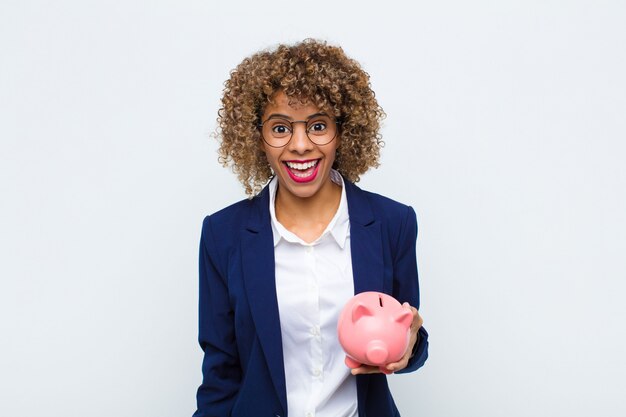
<point x="505" y="131"/>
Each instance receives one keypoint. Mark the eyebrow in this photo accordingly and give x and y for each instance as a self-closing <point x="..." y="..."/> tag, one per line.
<point x="284" y="116"/>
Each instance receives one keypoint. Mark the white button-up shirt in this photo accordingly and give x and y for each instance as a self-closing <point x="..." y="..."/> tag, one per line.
<point x="313" y="283"/>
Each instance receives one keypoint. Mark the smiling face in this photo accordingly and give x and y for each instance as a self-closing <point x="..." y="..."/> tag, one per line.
<point x="301" y="166"/>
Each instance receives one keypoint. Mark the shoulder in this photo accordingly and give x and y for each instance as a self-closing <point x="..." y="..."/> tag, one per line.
<point x="241" y="213"/>
<point x="387" y="206"/>
<point x="234" y="214"/>
<point x="223" y="227"/>
<point x="384" y="209"/>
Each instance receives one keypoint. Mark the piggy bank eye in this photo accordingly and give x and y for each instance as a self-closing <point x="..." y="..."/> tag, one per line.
<point x="380" y="300"/>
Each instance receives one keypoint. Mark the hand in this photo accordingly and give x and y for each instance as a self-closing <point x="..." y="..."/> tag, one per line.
<point x="404" y="361"/>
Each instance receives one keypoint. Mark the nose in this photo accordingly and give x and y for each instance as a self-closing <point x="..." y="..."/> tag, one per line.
<point x="300" y="142"/>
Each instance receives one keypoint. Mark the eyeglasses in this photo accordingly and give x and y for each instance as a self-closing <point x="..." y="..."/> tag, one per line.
<point x="320" y="128"/>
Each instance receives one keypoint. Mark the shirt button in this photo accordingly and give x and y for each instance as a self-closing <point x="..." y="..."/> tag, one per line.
<point x="309" y="415"/>
<point x="317" y="372"/>
<point x="309" y="249"/>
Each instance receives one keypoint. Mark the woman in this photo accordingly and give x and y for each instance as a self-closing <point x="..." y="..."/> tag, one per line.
<point x="276" y="269"/>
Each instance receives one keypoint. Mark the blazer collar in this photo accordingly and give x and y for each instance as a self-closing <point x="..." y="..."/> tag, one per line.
<point x="260" y="212"/>
<point x="358" y="205"/>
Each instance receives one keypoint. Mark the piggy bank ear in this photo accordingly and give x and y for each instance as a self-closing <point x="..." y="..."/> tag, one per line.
<point x="360" y="310"/>
<point x="404" y="317"/>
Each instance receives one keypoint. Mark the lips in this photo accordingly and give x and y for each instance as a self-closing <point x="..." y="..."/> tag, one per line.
<point x="302" y="171"/>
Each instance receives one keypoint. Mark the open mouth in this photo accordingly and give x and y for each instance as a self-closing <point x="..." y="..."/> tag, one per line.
<point x="302" y="171"/>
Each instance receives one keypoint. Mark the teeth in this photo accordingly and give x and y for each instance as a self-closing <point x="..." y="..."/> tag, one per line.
<point x="301" y="166"/>
<point x="301" y="175"/>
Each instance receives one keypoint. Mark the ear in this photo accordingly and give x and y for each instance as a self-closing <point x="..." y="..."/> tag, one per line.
<point x="404" y="317"/>
<point x="360" y="310"/>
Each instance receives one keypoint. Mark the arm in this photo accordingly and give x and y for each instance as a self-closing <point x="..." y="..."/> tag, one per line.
<point x="220" y="367"/>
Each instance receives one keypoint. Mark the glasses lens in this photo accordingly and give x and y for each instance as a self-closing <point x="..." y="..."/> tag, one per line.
<point x="321" y="129"/>
<point x="277" y="132"/>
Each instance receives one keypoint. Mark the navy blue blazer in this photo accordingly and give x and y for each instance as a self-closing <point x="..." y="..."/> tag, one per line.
<point x="239" y="328"/>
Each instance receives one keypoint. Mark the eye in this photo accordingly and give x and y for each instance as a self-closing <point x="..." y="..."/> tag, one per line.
<point x="317" y="127"/>
<point x="280" y="128"/>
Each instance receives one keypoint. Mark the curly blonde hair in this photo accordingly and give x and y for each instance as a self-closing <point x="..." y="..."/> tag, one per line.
<point x="309" y="71"/>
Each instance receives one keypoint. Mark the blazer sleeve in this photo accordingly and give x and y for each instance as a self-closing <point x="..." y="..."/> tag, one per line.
<point x="406" y="283"/>
<point x="221" y="368"/>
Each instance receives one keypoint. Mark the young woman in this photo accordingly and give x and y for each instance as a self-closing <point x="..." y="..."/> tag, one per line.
<point x="276" y="269"/>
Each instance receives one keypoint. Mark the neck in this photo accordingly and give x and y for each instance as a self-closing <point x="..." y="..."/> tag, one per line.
<point x="308" y="216"/>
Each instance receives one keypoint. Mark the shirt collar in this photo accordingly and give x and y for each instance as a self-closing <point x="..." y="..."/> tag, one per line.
<point x="338" y="227"/>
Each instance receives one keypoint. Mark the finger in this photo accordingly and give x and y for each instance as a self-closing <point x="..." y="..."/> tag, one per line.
<point x="401" y="364"/>
<point x="365" y="369"/>
<point x="418" y="321"/>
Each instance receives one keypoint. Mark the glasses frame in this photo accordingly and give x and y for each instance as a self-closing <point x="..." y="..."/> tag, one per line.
<point x="292" y="122"/>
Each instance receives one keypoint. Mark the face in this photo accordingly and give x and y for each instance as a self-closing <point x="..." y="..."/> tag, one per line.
<point x="301" y="167"/>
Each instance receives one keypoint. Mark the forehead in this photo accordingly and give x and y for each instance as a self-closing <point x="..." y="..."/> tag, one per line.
<point x="283" y="104"/>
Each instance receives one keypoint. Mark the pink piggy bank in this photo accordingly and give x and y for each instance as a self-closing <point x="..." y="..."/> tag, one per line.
<point x="374" y="329"/>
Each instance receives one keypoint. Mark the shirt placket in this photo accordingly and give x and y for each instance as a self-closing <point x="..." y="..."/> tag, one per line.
<point x="317" y="359"/>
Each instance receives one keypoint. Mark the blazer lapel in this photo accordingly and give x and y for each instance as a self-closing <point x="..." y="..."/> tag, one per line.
<point x="365" y="242"/>
<point x="257" y="252"/>
<point x="367" y="258"/>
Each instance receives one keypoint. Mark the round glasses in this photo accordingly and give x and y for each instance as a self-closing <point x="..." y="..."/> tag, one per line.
<point x="277" y="131"/>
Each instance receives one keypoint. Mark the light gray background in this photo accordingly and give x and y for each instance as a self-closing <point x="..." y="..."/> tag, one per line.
<point x="505" y="131"/>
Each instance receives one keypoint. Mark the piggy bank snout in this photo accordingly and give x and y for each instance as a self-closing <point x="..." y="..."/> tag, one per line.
<point x="376" y="352"/>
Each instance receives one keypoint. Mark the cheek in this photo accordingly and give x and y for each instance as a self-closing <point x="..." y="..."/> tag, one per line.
<point x="333" y="152"/>
<point x="337" y="145"/>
